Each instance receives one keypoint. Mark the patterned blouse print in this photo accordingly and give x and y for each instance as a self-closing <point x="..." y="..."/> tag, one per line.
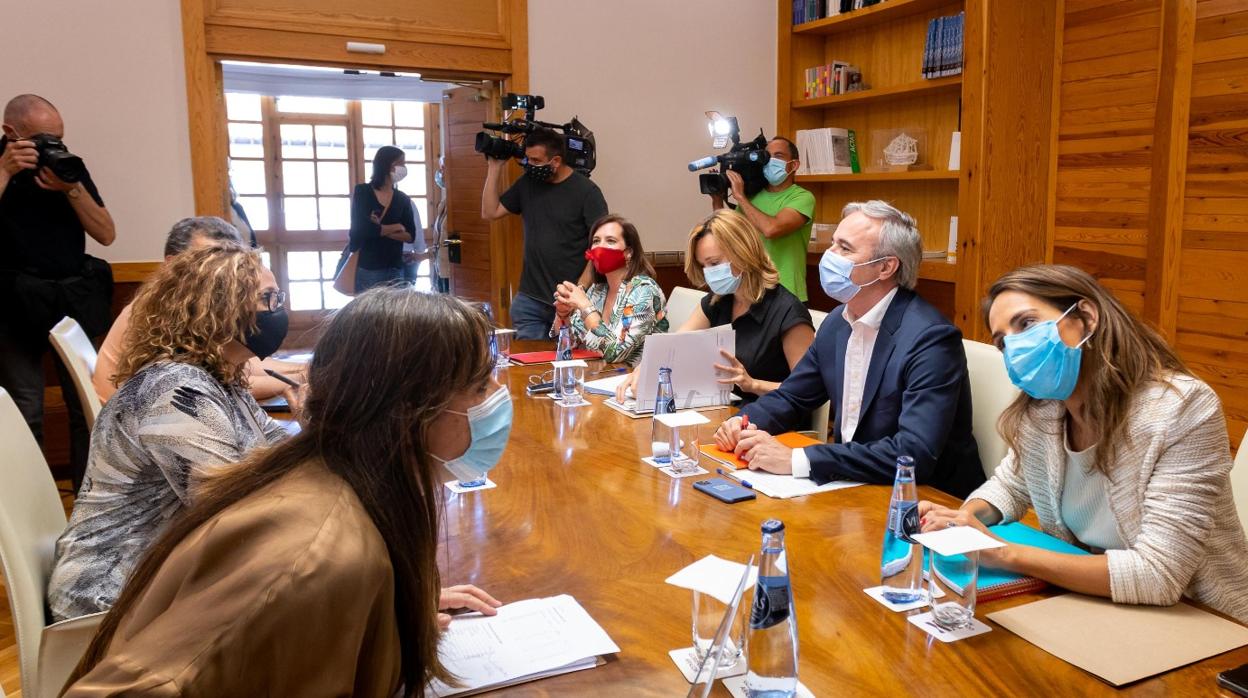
<point x="167" y="426"/>
<point x="638" y="312"/>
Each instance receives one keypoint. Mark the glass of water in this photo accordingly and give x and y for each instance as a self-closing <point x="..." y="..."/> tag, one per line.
<point x="500" y="347"/>
<point x="951" y="580"/>
<point x="708" y="612"/>
<point x="683" y="446"/>
<point x="570" y="378"/>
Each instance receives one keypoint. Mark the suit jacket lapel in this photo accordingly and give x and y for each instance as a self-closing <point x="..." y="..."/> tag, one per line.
<point x="838" y="376"/>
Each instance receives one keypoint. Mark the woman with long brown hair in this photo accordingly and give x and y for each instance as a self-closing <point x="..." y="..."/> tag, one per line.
<point x="311" y="568"/>
<point x="184" y="410"/>
<point x="1117" y="447"/>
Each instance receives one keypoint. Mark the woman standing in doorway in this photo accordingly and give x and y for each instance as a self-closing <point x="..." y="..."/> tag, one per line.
<point x="382" y="220"/>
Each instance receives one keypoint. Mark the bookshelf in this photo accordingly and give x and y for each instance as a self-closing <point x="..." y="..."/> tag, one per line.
<point x="887" y="42"/>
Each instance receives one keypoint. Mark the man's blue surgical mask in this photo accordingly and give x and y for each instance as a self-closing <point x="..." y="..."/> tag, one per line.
<point x="776" y="171"/>
<point x="1040" y="364"/>
<point x="834" y="271"/>
<point x="490" y="426"/>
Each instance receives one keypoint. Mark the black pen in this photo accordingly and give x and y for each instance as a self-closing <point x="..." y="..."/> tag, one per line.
<point x="281" y="378"/>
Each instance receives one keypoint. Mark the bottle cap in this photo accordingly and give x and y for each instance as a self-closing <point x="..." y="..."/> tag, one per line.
<point x="905" y="461"/>
<point x="773" y="526"/>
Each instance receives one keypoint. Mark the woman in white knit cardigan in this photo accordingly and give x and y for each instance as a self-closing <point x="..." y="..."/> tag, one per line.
<point x="1117" y="447"/>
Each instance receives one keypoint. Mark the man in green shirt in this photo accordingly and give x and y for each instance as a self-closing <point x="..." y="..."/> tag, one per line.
<point x="783" y="212"/>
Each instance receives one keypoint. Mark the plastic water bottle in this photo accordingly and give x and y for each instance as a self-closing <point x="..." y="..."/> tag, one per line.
<point x="664" y="403"/>
<point x="563" y="351"/>
<point x="489" y="315"/>
<point x="901" y="564"/>
<point x="771" y="647"/>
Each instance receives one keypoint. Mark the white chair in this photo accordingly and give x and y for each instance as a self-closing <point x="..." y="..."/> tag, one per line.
<point x="78" y="354"/>
<point x="991" y="393"/>
<point x="819" y="418"/>
<point x="31" y="519"/>
<point x="1239" y="481"/>
<point x="680" y="306"/>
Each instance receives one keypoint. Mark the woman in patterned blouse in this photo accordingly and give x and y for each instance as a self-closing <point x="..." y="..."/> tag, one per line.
<point x="623" y="305"/>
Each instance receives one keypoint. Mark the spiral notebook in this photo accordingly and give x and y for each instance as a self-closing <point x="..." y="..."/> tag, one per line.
<point x="997" y="584"/>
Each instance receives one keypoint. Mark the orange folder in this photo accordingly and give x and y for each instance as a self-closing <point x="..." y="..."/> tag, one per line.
<point x="791" y="439"/>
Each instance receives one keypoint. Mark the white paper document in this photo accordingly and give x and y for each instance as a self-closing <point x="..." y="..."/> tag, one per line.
<point x="957" y="540"/>
<point x="527" y="640"/>
<point x="715" y="576"/>
<point x="605" y="386"/>
<point x="692" y="357"/>
<point x="786" y="486"/>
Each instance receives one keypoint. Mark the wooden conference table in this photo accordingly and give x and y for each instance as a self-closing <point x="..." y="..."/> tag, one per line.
<point x="577" y="512"/>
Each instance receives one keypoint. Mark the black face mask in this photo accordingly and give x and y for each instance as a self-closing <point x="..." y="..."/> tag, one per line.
<point x="541" y="173"/>
<point x="271" y="326"/>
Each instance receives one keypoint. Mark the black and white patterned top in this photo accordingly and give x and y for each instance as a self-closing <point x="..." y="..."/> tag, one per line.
<point x="164" y="429"/>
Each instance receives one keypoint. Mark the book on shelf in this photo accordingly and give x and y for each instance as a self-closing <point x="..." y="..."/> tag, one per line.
<point x="854" y="167"/>
<point x="934" y="254"/>
<point x="837" y="77"/>
<point x="952" y="255"/>
<point x="808" y="10"/>
<point x="996" y="584"/>
<point x="824" y="151"/>
<point x="942" y="54"/>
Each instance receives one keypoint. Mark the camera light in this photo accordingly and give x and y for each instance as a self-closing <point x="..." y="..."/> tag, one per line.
<point x="722" y="127"/>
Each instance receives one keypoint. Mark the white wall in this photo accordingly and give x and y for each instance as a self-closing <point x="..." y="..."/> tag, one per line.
<point x="115" y="71"/>
<point x="640" y="74"/>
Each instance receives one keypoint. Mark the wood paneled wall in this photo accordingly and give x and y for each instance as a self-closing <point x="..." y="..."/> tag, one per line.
<point x="1152" y="172"/>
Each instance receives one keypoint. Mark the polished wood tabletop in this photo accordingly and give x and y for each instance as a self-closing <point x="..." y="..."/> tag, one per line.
<point x="577" y="512"/>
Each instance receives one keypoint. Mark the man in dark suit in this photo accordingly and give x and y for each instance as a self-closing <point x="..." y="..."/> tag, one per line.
<point x="892" y="366"/>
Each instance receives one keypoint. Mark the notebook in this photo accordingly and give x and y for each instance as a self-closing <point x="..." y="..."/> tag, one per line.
<point x="791" y="439"/>
<point x="544" y="357"/>
<point x="996" y="584"/>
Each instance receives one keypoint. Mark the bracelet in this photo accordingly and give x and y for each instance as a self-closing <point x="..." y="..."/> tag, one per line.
<point x="586" y="313"/>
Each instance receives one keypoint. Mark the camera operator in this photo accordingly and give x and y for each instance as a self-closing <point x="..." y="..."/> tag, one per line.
<point x="783" y="212"/>
<point x="45" y="273"/>
<point x="558" y="206"/>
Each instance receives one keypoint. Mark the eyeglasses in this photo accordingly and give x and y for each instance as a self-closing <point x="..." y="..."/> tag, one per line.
<point x="274" y="300"/>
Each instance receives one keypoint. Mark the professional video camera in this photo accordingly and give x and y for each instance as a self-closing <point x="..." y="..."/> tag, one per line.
<point x="55" y="156"/>
<point x="579" y="143"/>
<point x="746" y="159"/>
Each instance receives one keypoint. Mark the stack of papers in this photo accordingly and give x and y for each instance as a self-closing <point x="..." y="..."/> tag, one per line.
<point x="785" y="486"/>
<point x="526" y="641"/>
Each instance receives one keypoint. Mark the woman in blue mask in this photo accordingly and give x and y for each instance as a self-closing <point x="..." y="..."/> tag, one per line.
<point x="773" y="328"/>
<point x="1117" y="447"/>
<point x="318" y="558"/>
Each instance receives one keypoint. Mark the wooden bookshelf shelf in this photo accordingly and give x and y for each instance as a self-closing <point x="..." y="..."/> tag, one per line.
<point x="886" y="11"/>
<point x="938" y="270"/>
<point x="912" y="176"/>
<point x="951" y="83"/>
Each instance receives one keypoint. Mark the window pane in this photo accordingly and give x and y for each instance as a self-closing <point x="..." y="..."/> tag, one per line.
<point x="305" y="295"/>
<point x="374" y="138"/>
<point x="242" y="107"/>
<point x="422" y="277"/>
<point x="247" y="176"/>
<point x="300" y="213"/>
<point x="422" y="207"/>
<point x="374" y="112"/>
<point x="412" y="142"/>
<point x="409" y="114"/>
<point x="257" y="210"/>
<point x="329" y="263"/>
<point x="298" y="178"/>
<point x="335" y="213"/>
<point x="333" y="178"/>
<point x="333" y="299"/>
<point x="303" y="265"/>
<point x="266" y="261"/>
<point x="246" y="141"/>
<point x="312" y="105"/>
<point x="296" y="140"/>
<point x="331" y="142"/>
<point x="416" y="180"/>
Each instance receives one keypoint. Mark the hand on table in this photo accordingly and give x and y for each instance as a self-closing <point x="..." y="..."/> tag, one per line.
<point x="465" y="596"/>
<point x="621" y="390"/>
<point x="727" y="434"/>
<point x="933" y="517"/>
<point x="763" y="452"/>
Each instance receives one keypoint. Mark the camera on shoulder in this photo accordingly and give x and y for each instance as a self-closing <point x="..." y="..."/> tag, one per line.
<point x="746" y="159"/>
<point x="579" y="143"/>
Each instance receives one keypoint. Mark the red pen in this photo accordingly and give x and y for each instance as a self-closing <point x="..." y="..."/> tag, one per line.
<point x="745" y="421"/>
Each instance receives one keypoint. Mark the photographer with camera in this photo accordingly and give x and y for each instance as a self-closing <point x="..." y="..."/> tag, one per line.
<point x="558" y="206"/>
<point x="782" y="211"/>
<point x="48" y="205"/>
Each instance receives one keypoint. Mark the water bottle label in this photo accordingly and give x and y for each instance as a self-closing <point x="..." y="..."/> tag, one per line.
<point x="771" y="602"/>
<point x="903" y="520"/>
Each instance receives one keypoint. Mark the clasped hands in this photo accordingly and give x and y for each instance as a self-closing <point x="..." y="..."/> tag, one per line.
<point x="754" y="446"/>
<point x="569" y="297"/>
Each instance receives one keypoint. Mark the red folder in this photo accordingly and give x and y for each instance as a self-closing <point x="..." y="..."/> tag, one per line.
<point x="545" y="357"/>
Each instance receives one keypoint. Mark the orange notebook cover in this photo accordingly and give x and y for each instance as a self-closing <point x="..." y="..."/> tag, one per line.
<point x="545" y="357"/>
<point x="791" y="439"/>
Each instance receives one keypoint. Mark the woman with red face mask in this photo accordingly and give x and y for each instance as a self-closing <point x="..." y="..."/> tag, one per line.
<point x="623" y="305"/>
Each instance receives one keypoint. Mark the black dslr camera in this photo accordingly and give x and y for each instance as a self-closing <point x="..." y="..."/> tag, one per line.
<point x="579" y="144"/>
<point x="55" y="156"/>
<point x="746" y="159"/>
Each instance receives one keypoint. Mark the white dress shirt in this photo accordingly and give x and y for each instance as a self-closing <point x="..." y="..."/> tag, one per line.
<point x="858" y="350"/>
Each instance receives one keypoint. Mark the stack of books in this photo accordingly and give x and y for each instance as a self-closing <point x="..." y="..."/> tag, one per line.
<point x="834" y="78"/>
<point x="827" y="151"/>
<point x="811" y="10"/>
<point x="942" y="56"/>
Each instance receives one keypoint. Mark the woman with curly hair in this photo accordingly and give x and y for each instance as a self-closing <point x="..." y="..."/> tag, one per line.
<point x="183" y="411"/>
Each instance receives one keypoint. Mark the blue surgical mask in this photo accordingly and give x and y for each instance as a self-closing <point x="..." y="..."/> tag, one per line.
<point x="720" y="279"/>
<point x="1040" y="364"/>
<point x="834" y="271"/>
<point x="490" y="425"/>
<point x="776" y="171"/>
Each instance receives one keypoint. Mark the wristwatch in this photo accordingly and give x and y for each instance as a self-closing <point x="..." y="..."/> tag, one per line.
<point x="72" y="193"/>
